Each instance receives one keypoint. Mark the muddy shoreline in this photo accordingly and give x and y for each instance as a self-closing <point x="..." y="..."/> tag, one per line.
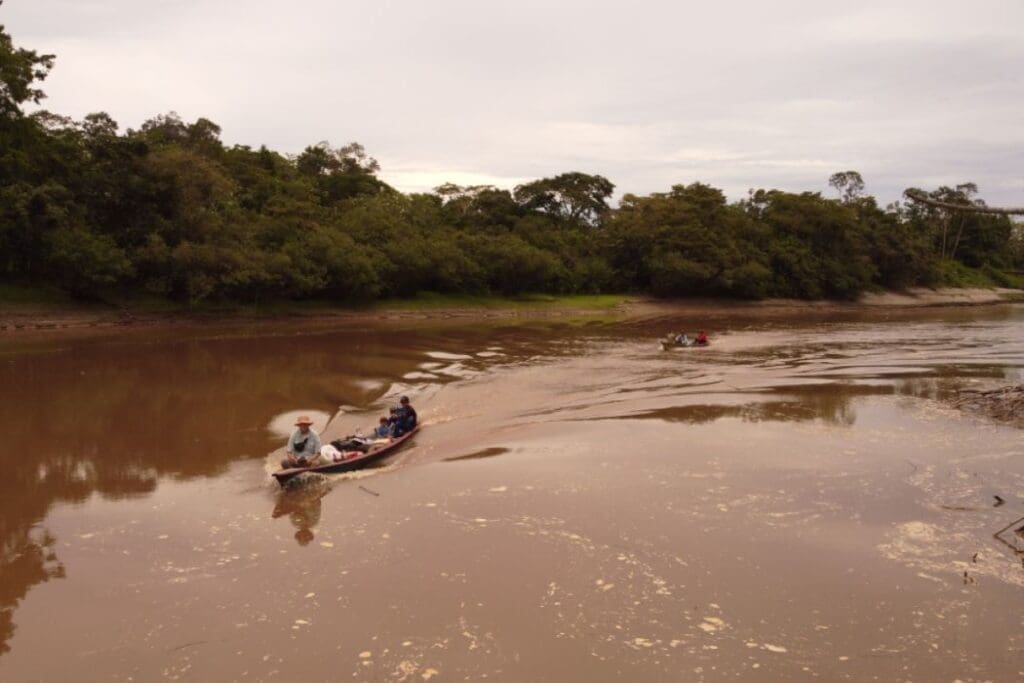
<point x="27" y="320"/>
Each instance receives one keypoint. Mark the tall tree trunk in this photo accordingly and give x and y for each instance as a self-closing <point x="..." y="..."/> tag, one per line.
<point x="956" y="242"/>
<point x="945" y="231"/>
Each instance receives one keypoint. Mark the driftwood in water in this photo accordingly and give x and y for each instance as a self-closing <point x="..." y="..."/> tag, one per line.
<point x="1013" y="544"/>
<point x="922" y="198"/>
<point x="1005" y="404"/>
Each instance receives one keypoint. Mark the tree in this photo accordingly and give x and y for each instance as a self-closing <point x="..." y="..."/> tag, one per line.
<point x="687" y="242"/>
<point x="849" y="184"/>
<point x="98" y="125"/>
<point x="84" y="263"/>
<point x="962" y="194"/>
<point x="19" y="71"/>
<point x="1016" y="244"/>
<point x="482" y="207"/>
<point x="576" y="198"/>
<point x="511" y="266"/>
<point x="322" y="159"/>
<point x="956" y="207"/>
<point x="817" y="248"/>
<point x="164" y="129"/>
<point x="202" y="137"/>
<point x="340" y="173"/>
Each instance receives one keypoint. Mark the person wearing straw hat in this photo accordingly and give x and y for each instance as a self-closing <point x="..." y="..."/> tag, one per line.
<point x="303" y="446"/>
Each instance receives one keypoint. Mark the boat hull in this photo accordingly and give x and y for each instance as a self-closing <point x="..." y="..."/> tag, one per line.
<point x="665" y="346"/>
<point x="358" y="462"/>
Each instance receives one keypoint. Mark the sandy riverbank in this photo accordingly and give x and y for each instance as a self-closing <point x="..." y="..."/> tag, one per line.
<point x="24" y="319"/>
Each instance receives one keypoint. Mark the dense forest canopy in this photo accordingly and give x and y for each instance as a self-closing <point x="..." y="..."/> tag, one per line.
<point x="170" y="211"/>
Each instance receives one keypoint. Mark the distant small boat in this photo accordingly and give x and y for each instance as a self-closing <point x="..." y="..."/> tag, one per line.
<point x="353" y="463"/>
<point x="688" y="344"/>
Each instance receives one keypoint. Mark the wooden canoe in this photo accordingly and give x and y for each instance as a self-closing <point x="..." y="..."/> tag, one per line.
<point x="355" y="463"/>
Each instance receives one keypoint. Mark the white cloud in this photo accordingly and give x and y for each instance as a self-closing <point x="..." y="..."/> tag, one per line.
<point x="425" y="180"/>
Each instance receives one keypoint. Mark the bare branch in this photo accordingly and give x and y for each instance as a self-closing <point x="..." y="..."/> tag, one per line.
<point x="970" y="208"/>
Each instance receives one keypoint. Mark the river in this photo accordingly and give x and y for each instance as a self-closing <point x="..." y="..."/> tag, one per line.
<point x="796" y="501"/>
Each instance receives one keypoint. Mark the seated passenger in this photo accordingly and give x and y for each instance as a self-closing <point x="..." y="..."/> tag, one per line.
<point x="410" y="413"/>
<point x="702" y="339"/>
<point x="384" y="430"/>
<point x="682" y="339"/>
<point x="405" y="417"/>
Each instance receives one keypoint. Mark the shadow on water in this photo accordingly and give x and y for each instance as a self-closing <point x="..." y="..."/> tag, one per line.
<point x="477" y="455"/>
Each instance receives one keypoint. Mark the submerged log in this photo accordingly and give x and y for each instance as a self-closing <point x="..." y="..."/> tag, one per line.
<point x="1005" y="404"/>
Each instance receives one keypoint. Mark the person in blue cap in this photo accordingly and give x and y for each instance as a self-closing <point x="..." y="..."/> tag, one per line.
<point x="405" y="417"/>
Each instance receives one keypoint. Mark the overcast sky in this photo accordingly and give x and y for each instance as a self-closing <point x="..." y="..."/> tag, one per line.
<point x="649" y="94"/>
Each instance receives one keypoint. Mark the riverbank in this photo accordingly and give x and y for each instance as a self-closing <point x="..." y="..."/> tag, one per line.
<point x="28" y="317"/>
<point x="56" y="316"/>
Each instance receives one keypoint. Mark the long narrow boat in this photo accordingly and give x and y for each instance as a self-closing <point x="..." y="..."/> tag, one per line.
<point x="350" y="464"/>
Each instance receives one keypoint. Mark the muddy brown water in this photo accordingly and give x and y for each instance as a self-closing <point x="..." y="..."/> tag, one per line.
<point x="795" y="502"/>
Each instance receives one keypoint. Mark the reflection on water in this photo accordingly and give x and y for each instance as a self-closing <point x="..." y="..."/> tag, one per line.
<point x="126" y="422"/>
<point x="836" y="412"/>
<point x="27" y="558"/>
<point x="303" y="507"/>
<point x="830" y="403"/>
<point x="114" y="418"/>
